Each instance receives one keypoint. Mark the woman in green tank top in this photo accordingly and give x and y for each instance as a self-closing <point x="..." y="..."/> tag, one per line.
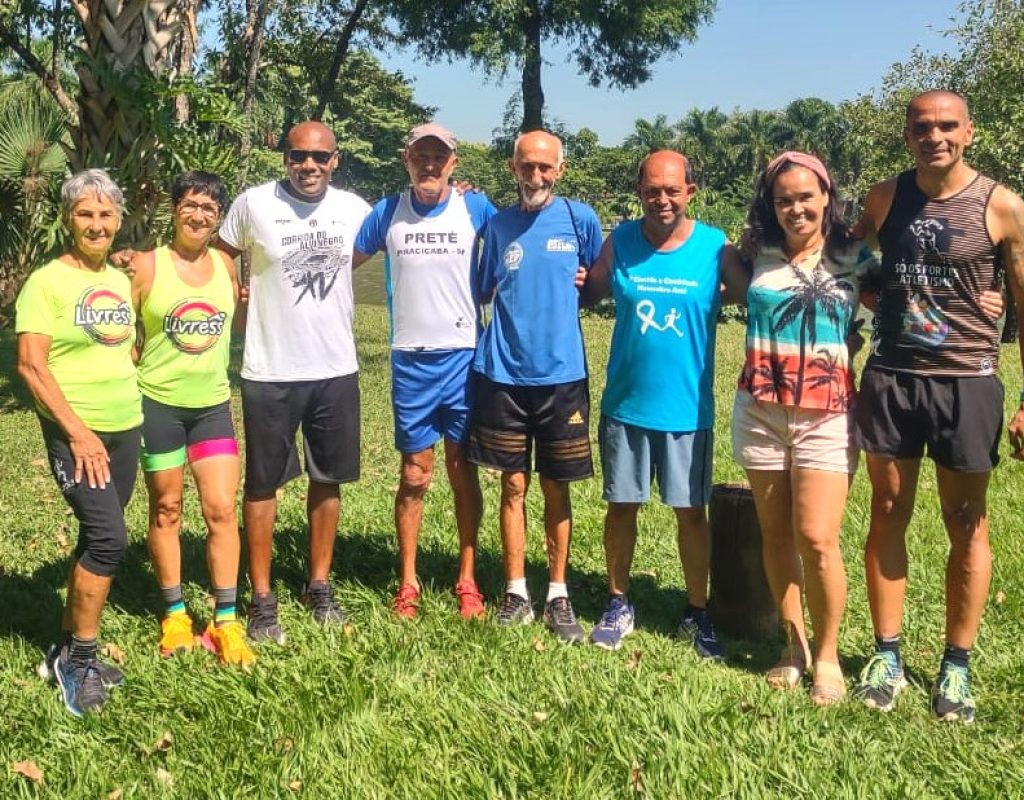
<point x="185" y="294"/>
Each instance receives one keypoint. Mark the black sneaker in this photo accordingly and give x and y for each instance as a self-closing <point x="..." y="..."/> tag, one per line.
<point x="698" y="627"/>
<point x="319" y="597"/>
<point x="515" y="610"/>
<point x="262" y="625"/>
<point x="881" y="680"/>
<point x="561" y="621"/>
<point x="111" y="676"/>
<point x="80" y="685"/>
<point x="951" y="694"/>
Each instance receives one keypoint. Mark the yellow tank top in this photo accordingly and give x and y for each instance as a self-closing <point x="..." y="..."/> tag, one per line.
<point x="188" y="335"/>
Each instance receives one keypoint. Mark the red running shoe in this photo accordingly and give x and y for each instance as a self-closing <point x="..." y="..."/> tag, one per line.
<point x="471" y="602"/>
<point x="407" y="602"/>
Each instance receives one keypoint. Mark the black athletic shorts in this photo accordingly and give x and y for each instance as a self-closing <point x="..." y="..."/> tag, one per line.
<point x="509" y="420"/>
<point x="102" y="535"/>
<point x="327" y="410"/>
<point x="172" y="435"/>
<point x="957" y="421"/>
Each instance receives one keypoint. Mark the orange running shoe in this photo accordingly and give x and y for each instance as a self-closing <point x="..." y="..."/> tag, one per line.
<point x="176" y="635"/>
<point x="471" y="602"/>
<point x="407" y="602"/>
<point x="228" y="642"/>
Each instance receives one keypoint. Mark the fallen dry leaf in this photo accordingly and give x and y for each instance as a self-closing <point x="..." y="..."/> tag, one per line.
<point x="634" y="660"/>
<point x="348" y="629"/>
<point x="636" y="778"/>
<point x="28" y="769"/>
<point x="295" y="785"/>
<point x="539" y="646"/>
<point x="284" y="744"/>
<point x="62" y="538"/>
<point x="116" y="654"/>
<point x="163" y="744"/>
<point x="746" y="705"/>
<point x="115" y="795"/>
<point x="38" y="462"/>
<point x="540" y="716"/>
<point x="164" y="776"/>
<point x="1000" y="598"/>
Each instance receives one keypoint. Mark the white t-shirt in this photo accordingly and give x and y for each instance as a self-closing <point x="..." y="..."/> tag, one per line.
<point x="431" y="267"/>
<point x="299" y="324"/>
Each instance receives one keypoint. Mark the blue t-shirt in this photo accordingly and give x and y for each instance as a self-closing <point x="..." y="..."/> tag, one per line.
<point x="662" y="360"/>
<point x="529" y="262"/>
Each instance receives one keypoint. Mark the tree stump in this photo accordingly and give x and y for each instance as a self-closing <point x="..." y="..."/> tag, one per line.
<point x="741" y="602"/>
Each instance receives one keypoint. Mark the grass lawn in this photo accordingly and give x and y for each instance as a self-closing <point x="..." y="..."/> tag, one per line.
<point x="439" y="708"/>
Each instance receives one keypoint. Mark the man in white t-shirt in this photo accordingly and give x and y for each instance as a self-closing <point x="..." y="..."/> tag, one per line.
<point x="430" y="234"/>
<point x="300" y="364"/>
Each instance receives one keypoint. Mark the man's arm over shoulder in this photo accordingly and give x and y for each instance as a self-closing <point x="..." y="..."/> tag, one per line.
<point x="590" y="232"/>
<point x="481" y="209"/>
<point x="598" y="283"/>
<point x="877" y="203"/>
<point x="734" y="275"/>
<point x="373" y="234"/>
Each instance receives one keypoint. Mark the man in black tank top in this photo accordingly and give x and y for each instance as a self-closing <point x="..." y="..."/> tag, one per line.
<point x="946" y="233"/>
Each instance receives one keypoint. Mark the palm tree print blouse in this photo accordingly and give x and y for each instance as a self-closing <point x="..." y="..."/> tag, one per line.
<point x="798" y="318"/>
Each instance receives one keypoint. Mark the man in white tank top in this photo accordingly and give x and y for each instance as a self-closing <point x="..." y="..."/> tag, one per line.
<point x="430" y="234"/>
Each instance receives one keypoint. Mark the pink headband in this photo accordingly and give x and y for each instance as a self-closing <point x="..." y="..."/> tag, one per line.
<point x="813" y="163"/>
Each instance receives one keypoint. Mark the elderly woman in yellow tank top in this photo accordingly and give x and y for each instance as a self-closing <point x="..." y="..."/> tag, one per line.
<point x="185" y="294"/>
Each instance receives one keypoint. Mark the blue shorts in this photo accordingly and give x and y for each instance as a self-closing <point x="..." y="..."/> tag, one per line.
<point x="431" y="395"/>
<point x="631" y="457"/>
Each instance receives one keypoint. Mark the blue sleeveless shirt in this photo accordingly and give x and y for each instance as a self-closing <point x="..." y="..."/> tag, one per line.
<point x="661" y="366"/>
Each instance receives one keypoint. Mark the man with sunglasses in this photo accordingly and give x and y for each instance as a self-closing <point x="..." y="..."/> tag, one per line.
<point x="430" y="234"/>
<point x="299" y="366"/>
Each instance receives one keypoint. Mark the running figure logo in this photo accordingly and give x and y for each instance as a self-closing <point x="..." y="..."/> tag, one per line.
<point x="645" y="310"/>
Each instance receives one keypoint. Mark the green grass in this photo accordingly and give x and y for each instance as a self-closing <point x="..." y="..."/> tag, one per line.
<point x="439" y="708"/>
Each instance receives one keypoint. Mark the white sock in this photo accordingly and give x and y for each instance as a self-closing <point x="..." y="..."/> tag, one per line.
<point x="517" y="586"/>
<point x="556" y="590"/>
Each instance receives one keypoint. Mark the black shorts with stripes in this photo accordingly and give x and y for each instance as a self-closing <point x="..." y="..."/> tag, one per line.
<point x="508" y="421"/>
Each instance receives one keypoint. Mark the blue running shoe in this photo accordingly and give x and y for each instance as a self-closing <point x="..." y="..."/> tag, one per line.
<point x="880" y="681"/>
<point x="951" y="694"/>
<point x="80" y="685"/>
<point x="111" y="676"/>
<point x="697" y="625"/>
<point x="615" y="625"/>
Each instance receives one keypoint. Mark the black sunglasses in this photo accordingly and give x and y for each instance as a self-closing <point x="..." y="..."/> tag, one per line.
<point x="319" y="156"/>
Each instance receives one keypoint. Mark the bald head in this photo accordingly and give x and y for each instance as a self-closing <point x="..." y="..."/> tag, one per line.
<point x="662" y="159"/>
<point x="938" y="130"/>
<point x="537" y="162"/>
<point x="301" y="135"/>
<point x="938" y="96"/>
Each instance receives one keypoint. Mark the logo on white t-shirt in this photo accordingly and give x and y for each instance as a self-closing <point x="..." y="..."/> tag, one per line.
<point x="513" y="255"/>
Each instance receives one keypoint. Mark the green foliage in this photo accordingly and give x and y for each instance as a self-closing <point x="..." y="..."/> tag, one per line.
<point x="32" y="164"/>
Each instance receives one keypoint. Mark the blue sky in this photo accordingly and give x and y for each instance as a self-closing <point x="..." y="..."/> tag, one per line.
<point x="754" y="54"/>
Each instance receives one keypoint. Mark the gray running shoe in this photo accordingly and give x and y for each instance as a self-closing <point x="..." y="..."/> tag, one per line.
<point x="515" y="610"/>
<point x="880" y="681"/>
<point x="262" y="625"/>
<point x="111" y="676"/>
<point x="80" y="685"/>
<point x="615" y="625"/>
<point x="319" y="597"/>
<point x="561" y="620"/>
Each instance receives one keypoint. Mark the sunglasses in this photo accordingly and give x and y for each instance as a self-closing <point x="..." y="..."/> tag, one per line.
<point x="319" y="156"/>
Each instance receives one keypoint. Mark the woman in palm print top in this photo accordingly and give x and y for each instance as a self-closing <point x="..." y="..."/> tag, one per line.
<point x="791" y="425"/>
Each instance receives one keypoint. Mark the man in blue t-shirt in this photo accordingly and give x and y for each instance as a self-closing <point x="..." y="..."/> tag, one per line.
<point x="665" y="272"/>
<point x="430" y="235"/>
<point x="532" y="373"/>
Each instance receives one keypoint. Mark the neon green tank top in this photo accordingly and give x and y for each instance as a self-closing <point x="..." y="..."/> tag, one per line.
<point x="184" y="359"/>
<point x="91" y="324"/>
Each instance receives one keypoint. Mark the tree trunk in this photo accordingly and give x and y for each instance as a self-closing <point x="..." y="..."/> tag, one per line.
<point x="341" y="48"/>
<point x="533" y="91"/>
<point x="47" y="77"/>
<point x="255" y="30"/>
<point x="126" y="41"/>
<point x="187" y="40"/>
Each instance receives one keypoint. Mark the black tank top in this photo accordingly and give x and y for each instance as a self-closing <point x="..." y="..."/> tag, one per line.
<point x="937" y="258"/>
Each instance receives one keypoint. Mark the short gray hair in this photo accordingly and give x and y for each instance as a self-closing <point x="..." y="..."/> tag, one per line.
<point x="87" y="182"/>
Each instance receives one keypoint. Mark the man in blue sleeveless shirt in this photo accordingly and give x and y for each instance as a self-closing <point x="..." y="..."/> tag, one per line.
<point x="532" y="381"/>
<point x="665" y="272"/>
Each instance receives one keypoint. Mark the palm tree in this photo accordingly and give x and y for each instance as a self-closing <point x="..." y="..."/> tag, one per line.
<point x="828" y="363"/>
<point x="813" y="293"/>
<point x="701" y="135"/>
<point x="648" y="135"/>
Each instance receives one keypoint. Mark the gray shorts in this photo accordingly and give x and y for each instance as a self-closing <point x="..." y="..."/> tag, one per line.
<point x="631" y="457"/>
